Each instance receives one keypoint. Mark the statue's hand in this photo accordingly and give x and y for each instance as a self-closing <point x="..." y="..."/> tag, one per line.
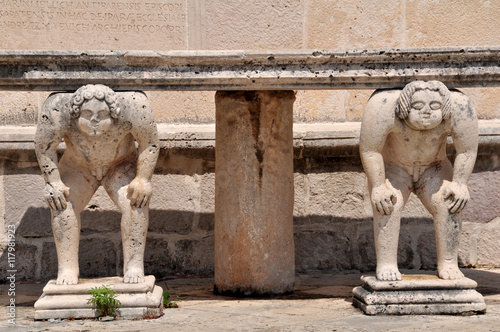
<point x="384" y="197"/>
<point x="458" y="195"/>
<point x="56" y="194"/>
<point x="140" y="191"/>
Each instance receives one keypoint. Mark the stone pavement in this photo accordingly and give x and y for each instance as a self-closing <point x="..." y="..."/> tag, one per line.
<point x="321" y="302"/>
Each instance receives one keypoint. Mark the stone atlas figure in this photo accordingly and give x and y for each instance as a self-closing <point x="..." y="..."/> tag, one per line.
<point x="403" y="150"/>
<point x="100" y="129"/>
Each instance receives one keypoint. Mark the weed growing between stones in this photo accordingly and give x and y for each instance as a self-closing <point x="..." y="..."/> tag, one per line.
<point x="166" y="300"/>
<point x="103" y="299"/>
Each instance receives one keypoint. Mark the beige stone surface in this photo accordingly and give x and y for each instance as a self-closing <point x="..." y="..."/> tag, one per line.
<point x="484" y="203"/>
<point x="452" y="23"/>
<point x="338" y="194"/>
<point x="253" y="24"/>
<point x="354" y="24"/>
<point x="254" y="246"/>
<point x="488" y="244"/>
<point x="20" y="108"/>
<point x="183" y="106"/>
<point x="320" y="106"/>
<point x="486" y="101"/>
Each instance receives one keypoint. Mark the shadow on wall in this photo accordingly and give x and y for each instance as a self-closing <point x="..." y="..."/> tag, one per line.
<point x="171" y="246"/>
<point x="182" y="242"/>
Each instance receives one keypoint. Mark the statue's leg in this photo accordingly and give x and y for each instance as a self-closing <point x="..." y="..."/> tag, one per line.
<point x="66" y="223"/>
<point x="134" y="222"/>
<point x="386" y="227"/>
<point x="447" y="225"/>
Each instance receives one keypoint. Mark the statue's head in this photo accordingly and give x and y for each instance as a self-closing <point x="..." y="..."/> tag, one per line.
<point x="94" y="107"/>
<point x="424" y="105"/>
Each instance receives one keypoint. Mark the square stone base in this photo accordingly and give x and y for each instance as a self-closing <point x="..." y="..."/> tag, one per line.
<point x="418" y="295"/>
<point x="63" y="301"/>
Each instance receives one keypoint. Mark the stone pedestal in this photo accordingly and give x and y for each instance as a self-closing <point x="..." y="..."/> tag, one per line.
<point x="254" y="247"/>
<point x="63" y="301"/>
<point x="418" y="295"/>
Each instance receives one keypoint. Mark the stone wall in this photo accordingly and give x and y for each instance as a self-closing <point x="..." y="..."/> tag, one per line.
<point x="332" y="216"/>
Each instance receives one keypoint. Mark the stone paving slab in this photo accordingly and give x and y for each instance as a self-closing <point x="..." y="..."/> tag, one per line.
<point x="321" y="302"/>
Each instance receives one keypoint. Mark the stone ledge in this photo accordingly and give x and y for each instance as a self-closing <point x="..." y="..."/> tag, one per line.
<point x="248" y="70"/>
<point x="314" y="135"/>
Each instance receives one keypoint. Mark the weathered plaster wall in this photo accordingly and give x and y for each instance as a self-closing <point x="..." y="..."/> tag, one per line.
<point x="332" y="214"/>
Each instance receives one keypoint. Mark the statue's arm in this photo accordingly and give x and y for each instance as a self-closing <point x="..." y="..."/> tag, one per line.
<point x="145" y="133"/>
<point x="51" y="128"/>
<point x="464" y="132"/>
<point x="375" y="127"/>
<point x="377" y="124"/>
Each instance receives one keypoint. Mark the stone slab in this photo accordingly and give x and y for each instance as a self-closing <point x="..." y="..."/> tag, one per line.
<point x="137" y="300"/>
<point x="421" y="309"/>
<point x="86" y="284"/>
<point x="418" y="295"/>
<point x="417" y="282"/>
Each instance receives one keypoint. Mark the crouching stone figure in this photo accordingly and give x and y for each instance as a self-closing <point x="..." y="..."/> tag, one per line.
<point x="403" y="150"/>
<point x="100" y="129"/>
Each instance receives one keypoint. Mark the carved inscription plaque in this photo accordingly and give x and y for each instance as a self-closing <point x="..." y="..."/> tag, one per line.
<point x="93" y="24"/>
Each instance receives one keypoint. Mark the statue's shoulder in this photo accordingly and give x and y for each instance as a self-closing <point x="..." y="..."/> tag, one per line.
<point x="457" y="97"/>
<point x="56" y="108"/>
<point x="461" y="106"/>
<point x="385" y="97"/>
<point x="382" y="106"/>
<point x="57" y="101"/>
<point x="133" y="100"/>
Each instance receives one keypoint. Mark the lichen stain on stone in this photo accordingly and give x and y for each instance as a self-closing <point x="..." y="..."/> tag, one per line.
<point x="255" y="112"/>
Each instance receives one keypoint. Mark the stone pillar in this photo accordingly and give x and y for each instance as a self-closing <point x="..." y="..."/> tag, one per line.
<point x="254" y="247"/>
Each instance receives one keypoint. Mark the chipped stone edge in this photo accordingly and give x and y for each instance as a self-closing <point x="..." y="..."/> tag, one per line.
<point x="249" y="70"/>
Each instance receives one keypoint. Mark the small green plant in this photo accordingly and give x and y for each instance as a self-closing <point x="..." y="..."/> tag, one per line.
<point x="103" y="298"/>
<point x="166" y="300"/>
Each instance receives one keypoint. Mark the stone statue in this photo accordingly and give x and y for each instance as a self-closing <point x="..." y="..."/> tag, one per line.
<point x="100" y="129"/>
<point x="403" y="150"/>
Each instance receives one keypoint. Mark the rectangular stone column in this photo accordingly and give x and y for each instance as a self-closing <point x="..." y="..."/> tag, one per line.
<point x="254" y="247"/>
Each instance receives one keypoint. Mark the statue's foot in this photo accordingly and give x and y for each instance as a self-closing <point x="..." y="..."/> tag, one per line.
<point x="134" y="276"/>
<point x="67" y="278"/>
<point x="388" y="273"/>
<point x="449" y="272"/>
